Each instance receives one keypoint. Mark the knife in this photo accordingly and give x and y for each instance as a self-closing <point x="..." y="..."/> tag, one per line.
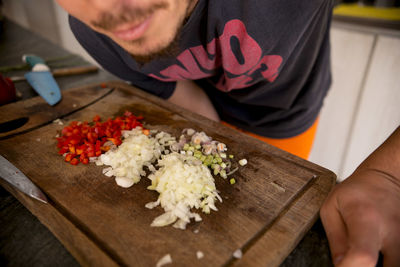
<point x="41" y="79"/>
<point x="16" y="178"/>
<point x="62" y="72"/>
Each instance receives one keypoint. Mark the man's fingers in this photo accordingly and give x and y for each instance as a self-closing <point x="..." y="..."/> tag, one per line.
<point x="364" y="240"/>
<point x="335" y="230"/>
<point x="357" y="257"/>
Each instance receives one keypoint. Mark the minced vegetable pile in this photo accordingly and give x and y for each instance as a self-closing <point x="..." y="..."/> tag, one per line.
<point x="181" y="171"/>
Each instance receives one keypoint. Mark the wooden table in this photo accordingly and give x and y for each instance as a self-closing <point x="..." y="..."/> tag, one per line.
<point x="306" y="202"/>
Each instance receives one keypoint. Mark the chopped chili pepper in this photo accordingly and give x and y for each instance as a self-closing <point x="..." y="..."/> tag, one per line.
<point x="96" y="118"/>
<point x="146" y="132"/>
<point x="80" y="141"/>
<point x="69" y="157"/>
<point x="74" y="161"/>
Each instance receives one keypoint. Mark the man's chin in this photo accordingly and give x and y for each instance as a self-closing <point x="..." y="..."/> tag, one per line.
<point x="171" y="50"/>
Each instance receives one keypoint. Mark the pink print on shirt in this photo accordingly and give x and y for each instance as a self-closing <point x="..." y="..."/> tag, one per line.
<point x="238" y="71"/>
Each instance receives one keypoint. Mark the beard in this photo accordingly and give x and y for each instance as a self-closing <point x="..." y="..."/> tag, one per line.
<point x="171" y="50"/>
<point x="109" y="21"/>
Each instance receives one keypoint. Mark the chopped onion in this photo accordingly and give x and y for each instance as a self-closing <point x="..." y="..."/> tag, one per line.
<point x="124" y="182"/>
<point x="238" y="254"/>
<point x="182" y="186"/>
<point x="242" y="162"/>
<point x="199" y="254"/>
<point x="164" y="260"/>
<point x="136" y="151"/>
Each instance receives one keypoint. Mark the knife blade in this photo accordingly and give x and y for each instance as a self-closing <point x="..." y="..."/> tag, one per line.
<point x="16" y="178"/>
<point x="41" y="79"/>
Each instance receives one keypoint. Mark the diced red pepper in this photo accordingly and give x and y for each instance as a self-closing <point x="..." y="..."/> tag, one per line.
<point x="80" y="141"/>
<point x="69" y="157"/>
<point x="91" y="154"/>
<point x="74" y="161"/>
<point x="105" y="148"/>
<point x="96" y="118"/>
<point x="146" y="131"/>
<point x="63" y="150"/>
<point x="72" y="149"/>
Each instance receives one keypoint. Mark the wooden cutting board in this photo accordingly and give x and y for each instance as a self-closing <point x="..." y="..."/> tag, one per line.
<point x="265" y="214"/>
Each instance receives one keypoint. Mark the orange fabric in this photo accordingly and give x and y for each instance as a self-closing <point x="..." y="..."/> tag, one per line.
<point x="299" y="145"/>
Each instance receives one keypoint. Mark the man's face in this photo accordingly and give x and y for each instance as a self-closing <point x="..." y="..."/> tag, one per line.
<point x="142" y="27"/>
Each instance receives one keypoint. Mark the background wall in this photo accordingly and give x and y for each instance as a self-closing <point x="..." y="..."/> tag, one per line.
<point x="362" y="107"/>
<point x="47" y="19"/>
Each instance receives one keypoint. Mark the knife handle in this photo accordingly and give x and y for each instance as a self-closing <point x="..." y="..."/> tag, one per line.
<point x="33" y="60"/>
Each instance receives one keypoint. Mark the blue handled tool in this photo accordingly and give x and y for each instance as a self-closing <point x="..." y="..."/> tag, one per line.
<point x="41" y="79"/>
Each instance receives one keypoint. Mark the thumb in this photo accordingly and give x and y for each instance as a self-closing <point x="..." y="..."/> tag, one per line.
<point x="335" y="230"/>
<point x="364" y="240"/>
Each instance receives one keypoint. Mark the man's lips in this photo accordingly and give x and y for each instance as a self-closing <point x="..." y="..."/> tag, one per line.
<point x="133" y="32"/>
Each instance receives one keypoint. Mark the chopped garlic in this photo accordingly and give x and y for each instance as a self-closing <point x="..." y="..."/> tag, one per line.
<point x="190" y="132"/>
<point x="242" y="162"/>
<point x="238" y="254"/>
<point x="221" y="147"/>
<point x="199" y="254"/>
<point x="58" y="121"/>
<point x="124" y="181"/>
<point x="164" y="260"/>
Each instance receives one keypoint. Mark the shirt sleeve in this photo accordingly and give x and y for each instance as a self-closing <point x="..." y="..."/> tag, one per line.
<point x="105" y="52"/>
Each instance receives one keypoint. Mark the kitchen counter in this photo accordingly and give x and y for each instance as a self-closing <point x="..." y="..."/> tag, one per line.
<point x="23" y="239"/>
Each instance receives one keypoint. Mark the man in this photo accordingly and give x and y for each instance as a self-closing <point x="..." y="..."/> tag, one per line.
<point x="261" y="67"/>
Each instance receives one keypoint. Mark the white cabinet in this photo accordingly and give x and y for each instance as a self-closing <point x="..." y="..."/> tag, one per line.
<point x="379" y="110"/>
<point x="363" y="105"/>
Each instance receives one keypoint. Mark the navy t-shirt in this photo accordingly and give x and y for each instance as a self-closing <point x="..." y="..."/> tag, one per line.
<point x="265" y="65"/>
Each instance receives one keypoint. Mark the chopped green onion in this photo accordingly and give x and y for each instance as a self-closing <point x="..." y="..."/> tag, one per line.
<point x="232" y="181"/>
<point x="197" y="154"/>
<point x="223" y="174"/>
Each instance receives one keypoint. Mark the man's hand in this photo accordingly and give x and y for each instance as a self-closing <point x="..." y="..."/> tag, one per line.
<point x="361" y="216"/>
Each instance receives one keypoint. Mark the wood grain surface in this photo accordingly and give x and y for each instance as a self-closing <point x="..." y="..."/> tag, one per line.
<point x="275" y="200"/>
<point x="40" y="113"/>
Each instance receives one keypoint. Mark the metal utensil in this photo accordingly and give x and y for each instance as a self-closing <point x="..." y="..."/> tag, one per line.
<point x="16" y="178"/>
